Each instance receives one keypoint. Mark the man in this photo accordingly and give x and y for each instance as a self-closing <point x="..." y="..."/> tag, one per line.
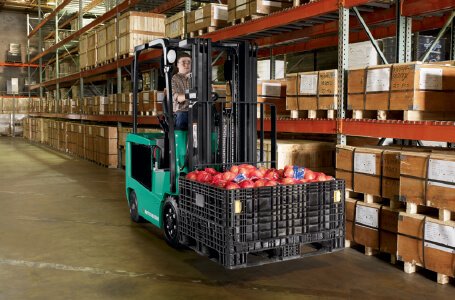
<point x="180" y="83"/>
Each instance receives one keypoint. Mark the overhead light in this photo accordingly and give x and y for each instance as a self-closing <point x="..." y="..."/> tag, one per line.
<point x="50" y="3"/>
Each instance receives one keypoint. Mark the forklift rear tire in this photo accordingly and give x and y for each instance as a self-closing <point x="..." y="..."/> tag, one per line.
<point x="170" y="222"/>
<point x="134" y="208"/>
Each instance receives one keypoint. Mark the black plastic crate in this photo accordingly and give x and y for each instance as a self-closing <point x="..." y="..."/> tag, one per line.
<point x="230" y="225"/>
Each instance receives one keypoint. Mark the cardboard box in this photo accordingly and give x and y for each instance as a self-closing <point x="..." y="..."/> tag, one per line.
<point x="141" y="22"/>
<point x="409" y="86"/>
<point x="318" y="156"/>
<point x="313" y="90"/>
<point x="436" y="253"/>
<point x="244" y="8"/>
<point x="210" y="15"/>
<point x="272" y="91"/>
<point x="128" y="41"/>
<point x="175" y="25"/>
<point x="428" y="179"/>
<point x="375" y="225"/>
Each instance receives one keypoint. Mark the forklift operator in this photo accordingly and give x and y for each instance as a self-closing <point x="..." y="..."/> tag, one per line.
<point x="181" y="83"/>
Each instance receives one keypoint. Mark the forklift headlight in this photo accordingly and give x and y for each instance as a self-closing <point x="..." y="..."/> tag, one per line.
<point x="171" y="56"/>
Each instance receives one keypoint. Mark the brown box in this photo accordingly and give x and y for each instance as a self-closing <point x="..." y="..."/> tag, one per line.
<point x="368" y="89"/>
<point x="318" y="156"/>
<point x="292" y="88"/>
<point x="435" y="254"/>
<point x="142" y="23"/>
<point x="430" y="175"/>
<point x="111" y="30"/>
<point x="211" y="15"/>
<point x="272" y="91"/>
<point x="375" y="225"/>
<point x="245" y="8"/>
<point x="91" y="40"/>
<point x="128" y="41"/>
<point x="175" y="25"/>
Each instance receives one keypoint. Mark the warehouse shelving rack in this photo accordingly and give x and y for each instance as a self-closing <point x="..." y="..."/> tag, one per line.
<point x="307" y="27"/>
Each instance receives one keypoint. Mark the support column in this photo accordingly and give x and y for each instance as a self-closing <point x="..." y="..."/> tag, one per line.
<point x="403" y="35"/>
<point x="343" y="59"/>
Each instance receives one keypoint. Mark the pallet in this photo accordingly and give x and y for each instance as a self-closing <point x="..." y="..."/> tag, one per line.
<point x="202" y="31"/>
<point x="313" y="114"/>
<point x="443" y="215"/>
<point x="125" y="55"/>
<point x="408" y="115"/>
<point x="245" y="19"/>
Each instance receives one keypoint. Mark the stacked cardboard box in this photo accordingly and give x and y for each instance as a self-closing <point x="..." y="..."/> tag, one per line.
<point x="423" y="179"/>
<point x="101" y="50"/>
<point x="372" y="225"/>
<point x="427" y="242"/>
<point x="91" y="49"/>
<point x="406" y="87"/>
<point x="111" y="40"/>
<point x="83" y="48"/>
<point x="312" y="91"/>
<point x="207" y="18"/>
<point x="150" y="102"/>
<point x="238" y="9"/>
<point x="137" y="28"/>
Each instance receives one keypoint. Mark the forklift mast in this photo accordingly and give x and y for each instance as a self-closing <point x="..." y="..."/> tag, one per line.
<point x="220" y="133"/>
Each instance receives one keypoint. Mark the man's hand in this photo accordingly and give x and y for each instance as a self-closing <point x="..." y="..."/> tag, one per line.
<point x="181" y="98"/>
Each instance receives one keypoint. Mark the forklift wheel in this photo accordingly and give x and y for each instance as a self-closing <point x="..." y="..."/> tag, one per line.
<point x="170" y="222"/>
<point x="134" y="209"/>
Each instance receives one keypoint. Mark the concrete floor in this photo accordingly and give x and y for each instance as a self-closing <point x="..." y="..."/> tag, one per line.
<point x="65" y="233"/>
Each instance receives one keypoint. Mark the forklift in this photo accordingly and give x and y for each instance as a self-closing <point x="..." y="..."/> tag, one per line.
<point x="220" y="133"/>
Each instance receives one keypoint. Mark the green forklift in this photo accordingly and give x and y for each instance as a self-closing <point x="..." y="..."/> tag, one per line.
<point x="225" y="225"/>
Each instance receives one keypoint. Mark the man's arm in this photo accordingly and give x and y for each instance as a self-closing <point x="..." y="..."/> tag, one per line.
<point x="178" y="95"/>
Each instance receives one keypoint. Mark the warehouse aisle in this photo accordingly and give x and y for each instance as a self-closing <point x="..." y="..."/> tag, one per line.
<point x="65" y="233"/>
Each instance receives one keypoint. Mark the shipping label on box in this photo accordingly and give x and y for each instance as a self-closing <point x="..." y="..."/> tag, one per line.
<point x="378" y="80"/>
<point x="309" y="84"/>
<point x="367" y="216"/>
<point x="199" y="15"/>
<point x="441" y="235"/>
<point x="220" y="13"/>
<point x="430" y="79"/>
<point x="271" y="3"/>
<point x="365" y="163"/>
<point x="441" y="170"/>
<point x="271" y="89"/>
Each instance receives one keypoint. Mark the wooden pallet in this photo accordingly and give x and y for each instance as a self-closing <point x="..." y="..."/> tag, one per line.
<point x="408" y="115"/>
<point x="125" y="55"/>
<point x="443" y="215"/>
<point x="203" y="31"/>
<point x="312" y="114"/>
<point x="245" y="19"/>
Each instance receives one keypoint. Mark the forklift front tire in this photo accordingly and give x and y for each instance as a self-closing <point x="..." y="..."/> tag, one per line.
<point x="134" y="208"/>
<point x="170" y="222"/>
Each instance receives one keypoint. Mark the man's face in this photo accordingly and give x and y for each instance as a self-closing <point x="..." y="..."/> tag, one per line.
<point x="184" y="65"/>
